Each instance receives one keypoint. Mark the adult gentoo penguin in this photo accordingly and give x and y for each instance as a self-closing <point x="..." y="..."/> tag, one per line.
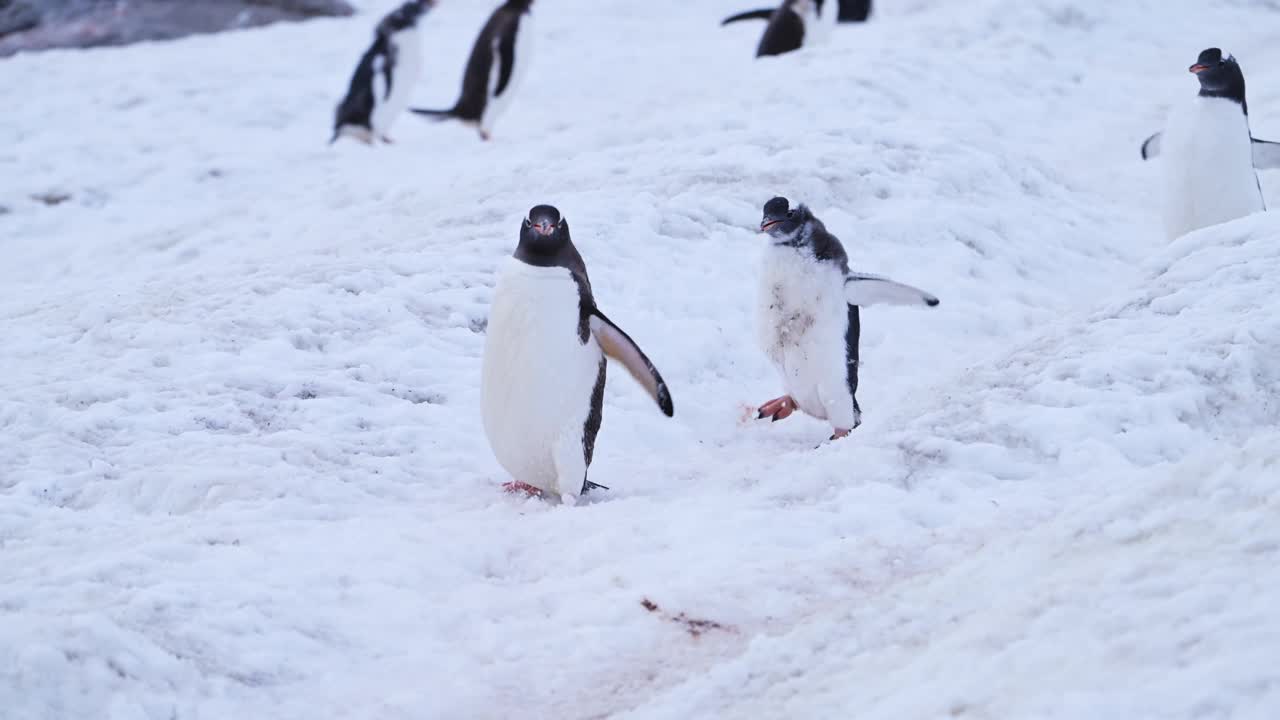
<point x="1209" y="155"/>
<point x="808" y="316"/>
<point x="791" y="25"/>
<point x="542" y="390"/>
<point x="495" y="69"/>
<point x="384" y="77"/>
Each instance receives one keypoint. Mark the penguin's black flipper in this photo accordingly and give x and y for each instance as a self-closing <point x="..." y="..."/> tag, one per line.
<point x="1266" y="154"/>
<point x="764" y="14"/>
<point x="618" y="345"/>
<point x="435" y="114"/>
<point x="1151" y="146"/>
<point x="385" y="78"/>
<point x="505" y="49"/>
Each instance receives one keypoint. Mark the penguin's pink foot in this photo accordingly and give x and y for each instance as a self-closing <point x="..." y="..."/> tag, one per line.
<point x="484" y="135"/>
<point x="840" y="433"/>
<point x="386" y="139"/>
<point x="777" y="408"/>
<point x="518" y="487"/>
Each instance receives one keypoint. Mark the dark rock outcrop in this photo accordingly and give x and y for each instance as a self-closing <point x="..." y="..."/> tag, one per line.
<point x="16" y="16"/>
<point x="42" y="24"/>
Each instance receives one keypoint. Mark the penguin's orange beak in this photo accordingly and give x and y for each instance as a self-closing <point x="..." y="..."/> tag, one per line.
<point x="1198" y="68"/>
<point x="544" y="228"/>
<point x="766" y="225"/>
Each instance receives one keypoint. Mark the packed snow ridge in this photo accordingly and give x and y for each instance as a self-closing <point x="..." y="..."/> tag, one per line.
<point x="242" y="469"/>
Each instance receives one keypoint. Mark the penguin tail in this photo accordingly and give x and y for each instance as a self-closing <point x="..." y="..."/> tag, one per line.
<point x="764" y="14"/>
<point x="435" y="114"/>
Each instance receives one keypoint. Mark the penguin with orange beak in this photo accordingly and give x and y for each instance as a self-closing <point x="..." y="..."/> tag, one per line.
<point x="807" y="318"/>
<point x="542" y="381"/>
<point x="1210" y="158"/>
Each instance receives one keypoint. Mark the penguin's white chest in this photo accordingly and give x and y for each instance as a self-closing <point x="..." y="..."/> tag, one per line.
<point x="1208" y="166"/>
<point x="802" y="322"/>
<point x="537" y="376"/>
<point x="390" y="103"/>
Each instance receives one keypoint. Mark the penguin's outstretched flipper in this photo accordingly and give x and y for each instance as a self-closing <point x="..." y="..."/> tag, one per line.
<point x="862" y="289"/>
<point x="618" y="345"/>
<point x="764" y="14"/>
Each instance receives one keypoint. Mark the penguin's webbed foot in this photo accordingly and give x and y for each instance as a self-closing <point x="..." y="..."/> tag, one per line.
<point x="484" y="135"/>
<point x="777" y="408"/>
<point x="387" y="139"/>
<point x="516" y="486"/>
<point x="840" y="433"/>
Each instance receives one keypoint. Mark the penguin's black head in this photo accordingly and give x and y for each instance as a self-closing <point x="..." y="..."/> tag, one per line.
<point x="781" y="221"/>
<point x="405" y="16"/>
<point x="1219" y="75"/>
<point x="544" y="232"/>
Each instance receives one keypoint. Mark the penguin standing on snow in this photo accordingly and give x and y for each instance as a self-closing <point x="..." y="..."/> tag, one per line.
<point x="798" y="21"/>
<point x="1210" y="158"/>
<point x="790" y="25"/>
<point x="808" y="316"/>
<point x="542" y="385"/>
<point x="383" y="79"/>
<point x="849" y="11"/>
<point x="495" y="69"/>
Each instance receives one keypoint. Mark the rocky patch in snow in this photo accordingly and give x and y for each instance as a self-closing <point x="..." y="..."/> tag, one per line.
<point x="45" y="24"/>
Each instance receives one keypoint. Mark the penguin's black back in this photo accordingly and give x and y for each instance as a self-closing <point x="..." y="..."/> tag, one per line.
<point x="500" y="32"/>
<point x="784" y="33"/>
<point x="827" y="248"/>
<point x="591" y="428"/>
<point x="357" y="107"/>
<point x="851" y="340"/>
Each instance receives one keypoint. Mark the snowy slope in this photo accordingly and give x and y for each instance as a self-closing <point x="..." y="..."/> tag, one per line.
<point x="241" y="465"/>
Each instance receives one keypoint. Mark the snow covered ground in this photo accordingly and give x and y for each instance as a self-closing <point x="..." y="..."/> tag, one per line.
<point x="242" y="472"/>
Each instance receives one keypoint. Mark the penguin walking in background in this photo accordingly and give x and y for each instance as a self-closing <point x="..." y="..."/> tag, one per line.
<point x="384" y="78"/>
<point x="495" y="69"/>
<point x="808" y="316"/>
<point x="1210" y="157"/>
<point x="848" y="11"/>
<point x="542" y="385"/>
<point x="796" y="22"/>
<point x="791" y="24"/>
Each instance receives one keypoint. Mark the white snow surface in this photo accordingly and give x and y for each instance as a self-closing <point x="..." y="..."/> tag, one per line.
<point x="242" y="471"/>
